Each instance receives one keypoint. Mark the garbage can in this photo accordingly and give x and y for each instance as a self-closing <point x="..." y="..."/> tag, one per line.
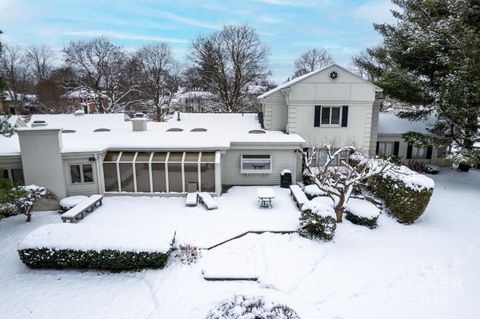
<point x="285" y="178"/>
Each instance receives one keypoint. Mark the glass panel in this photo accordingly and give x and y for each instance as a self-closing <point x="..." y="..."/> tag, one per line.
<point x="158" y="176"/>
<point x="75" y="174"/>
<point x="111" y="157"/>
<point x="325" y="115"/>
<point x="143" y="177"/>
<point x="256" y="165"/>
<point x="208" y="157"/>
<point x="175" y="177"/>
<point x="110" y="174"/>
<point x="335" y="115"/>
<point x="191" y="177"/>
<point x="126" y="177"/>
<point x="143" y="157"/>
<point x="159" y="157"/>
<point x="127" y="157"/>
<point x="175" y="157"/>
<point x="191" y="157"/>
<point x="208" y="177"/>
<point x="87" y="173"/>
<point x="17" y="176"/>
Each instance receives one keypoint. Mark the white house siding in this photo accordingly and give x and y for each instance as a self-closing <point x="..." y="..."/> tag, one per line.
<point x="374" y="126"/>
<point x="318" y="89"/>
<point x="402" y="151"/>
<point x="82" y="188"/>
<point x="281" y="159"/>
<point x="275" y="113"/>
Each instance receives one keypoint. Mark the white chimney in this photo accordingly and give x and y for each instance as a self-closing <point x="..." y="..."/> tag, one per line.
<point x="139" y="123"/>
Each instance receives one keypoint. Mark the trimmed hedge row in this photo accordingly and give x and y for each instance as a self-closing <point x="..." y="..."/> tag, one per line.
<point x="314" y="226"/>
<point x="404" y="203"/>
<point x="112" y="260"/>
<point x="363" y="221"/>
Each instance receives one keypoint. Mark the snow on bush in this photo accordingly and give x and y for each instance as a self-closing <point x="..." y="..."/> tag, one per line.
<point x="313" y="191"/>
<point x="247" y="307"/>
<point x="20" y="199"/>
<point x="406" y="193"/>
<point x="187" y="254"/>
<point x="83" y="246"/>
<point x="362" y="212"/>
<point x="72" y="201"/>
<point x="318" y="219"/>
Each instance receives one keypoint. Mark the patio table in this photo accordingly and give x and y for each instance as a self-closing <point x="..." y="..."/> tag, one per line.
<point x="265" y="196"/>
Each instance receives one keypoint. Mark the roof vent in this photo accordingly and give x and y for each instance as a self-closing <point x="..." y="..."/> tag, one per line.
<point x="139" y="115"/>
<point x="79" y="113"/>
<point x="198" y="129"/>
<point x="39" y="123"/>
<point x="174" y="129"/>
<point x="68" y="131"/>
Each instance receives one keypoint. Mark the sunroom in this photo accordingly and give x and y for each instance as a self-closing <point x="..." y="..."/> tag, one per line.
<point x="161" y="172"/>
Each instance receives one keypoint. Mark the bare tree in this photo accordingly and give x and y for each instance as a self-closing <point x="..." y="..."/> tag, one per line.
<point x="41" y="59"/>
<point x="14" y="70"/>
<point x="99" y="66"/>
<point x="312" y="60"/>
<point x="339" y="181"/>
<point x="229" y="61"/>
<point x="155" y="62"/>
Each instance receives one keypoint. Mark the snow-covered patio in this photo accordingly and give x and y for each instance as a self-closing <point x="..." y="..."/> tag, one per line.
<point x="427" y="270"/>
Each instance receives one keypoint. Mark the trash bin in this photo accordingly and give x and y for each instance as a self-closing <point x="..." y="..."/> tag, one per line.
<point x="285" y="178"/>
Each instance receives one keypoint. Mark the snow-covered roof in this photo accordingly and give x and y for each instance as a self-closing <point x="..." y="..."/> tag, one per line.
<point x="222" y="129"/>
<point x="83" y="93"/>
<point x="305" y="76"/>
<point x="390" y="123"/>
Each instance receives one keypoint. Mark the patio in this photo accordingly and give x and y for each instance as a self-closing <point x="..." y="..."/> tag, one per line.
<point x="238" y="211"/>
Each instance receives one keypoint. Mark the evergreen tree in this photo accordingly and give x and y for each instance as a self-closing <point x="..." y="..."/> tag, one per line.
<point x="430" y="60"/>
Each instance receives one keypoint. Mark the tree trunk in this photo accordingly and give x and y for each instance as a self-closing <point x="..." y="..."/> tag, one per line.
<point x="29" y="216"/>
<point x="339" y="208"/>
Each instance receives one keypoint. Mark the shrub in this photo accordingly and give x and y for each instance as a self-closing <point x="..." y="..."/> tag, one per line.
<point x="244" y="307"/>
<point x="187" y="254"/>
<point x="406" y="194"/>
<point x="108" y="259"/>
<point x="317" y="220"/>
<point x="362" y="212"/>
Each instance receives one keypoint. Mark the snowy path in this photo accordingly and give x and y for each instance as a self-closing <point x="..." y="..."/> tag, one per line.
<point x="427" y="270"/>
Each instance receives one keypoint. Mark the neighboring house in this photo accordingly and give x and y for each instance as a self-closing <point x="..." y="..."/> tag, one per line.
<point x="391" y="143"/>
<point x="78" y="153"/>
<point x="86" y="100"/>
<point x="16" y="103"/>
<point x="328" y="106"/>
<point x="193" y="101"/>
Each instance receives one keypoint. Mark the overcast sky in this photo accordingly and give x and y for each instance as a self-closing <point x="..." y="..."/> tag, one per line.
<point x="288" y="27"/>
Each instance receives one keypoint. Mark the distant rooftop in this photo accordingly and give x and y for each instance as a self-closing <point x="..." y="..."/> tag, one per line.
<point x="390" y="123"/>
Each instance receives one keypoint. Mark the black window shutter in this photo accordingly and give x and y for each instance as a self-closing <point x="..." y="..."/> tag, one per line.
<point x="316" y="120"/>
<point x="396" y="146"/>
<point x="345" y="116"/>
<point x="376" y="150"/>
<point x="429" y="152"/>
<point x="409" y="151"/>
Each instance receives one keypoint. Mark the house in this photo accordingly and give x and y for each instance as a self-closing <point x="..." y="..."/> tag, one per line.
<point x="390" y="141"/>
<point x="86" y="100"/>
<point x="327" y="106"/>
<point x="81" y="153"/>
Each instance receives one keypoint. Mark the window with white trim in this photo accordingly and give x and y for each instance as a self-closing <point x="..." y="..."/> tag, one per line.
<point x="419" y="152"/>
<point x="256" y="164"/>
<point x="385" y="148"/>
<point x="81" y="173"/>
<point x="320" y="158"/>
<point x="330" y="115"/>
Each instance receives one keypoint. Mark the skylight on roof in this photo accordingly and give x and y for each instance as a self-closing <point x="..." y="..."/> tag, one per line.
<point x="174" y="129"/>
<point x="102" y="129"/>
<point x="198" y="129"/>
<point x="68" y="131"/>
<point x="256" y="132"/>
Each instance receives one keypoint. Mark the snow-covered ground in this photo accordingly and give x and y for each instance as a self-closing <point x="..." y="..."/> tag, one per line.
<point x="427" y="270"/>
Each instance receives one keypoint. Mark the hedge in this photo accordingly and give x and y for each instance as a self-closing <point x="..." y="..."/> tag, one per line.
<point x="404" y="203"/>
<point x="112" y="260"/>
<point x="363" y="221"/>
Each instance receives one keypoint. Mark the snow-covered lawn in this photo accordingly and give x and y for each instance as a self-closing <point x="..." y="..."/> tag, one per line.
<point x="427" y="270"/>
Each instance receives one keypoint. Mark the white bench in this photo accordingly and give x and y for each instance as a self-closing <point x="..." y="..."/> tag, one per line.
<point x="191" y="200"/>
<point x="86" y="206"/>
<point x="207" y="200"/>
<point x="298" y="195"/>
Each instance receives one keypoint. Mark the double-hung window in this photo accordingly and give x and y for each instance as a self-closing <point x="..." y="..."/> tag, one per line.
<point x="330" y="115"/>
<point x="385" y="148"/>
<point x="256" y="164"/>
<point x="419" y="152"/>
<point x="81" y="173"/>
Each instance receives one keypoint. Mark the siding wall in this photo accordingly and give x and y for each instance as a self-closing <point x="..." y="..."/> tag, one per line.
<point x="281" y="159"/>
